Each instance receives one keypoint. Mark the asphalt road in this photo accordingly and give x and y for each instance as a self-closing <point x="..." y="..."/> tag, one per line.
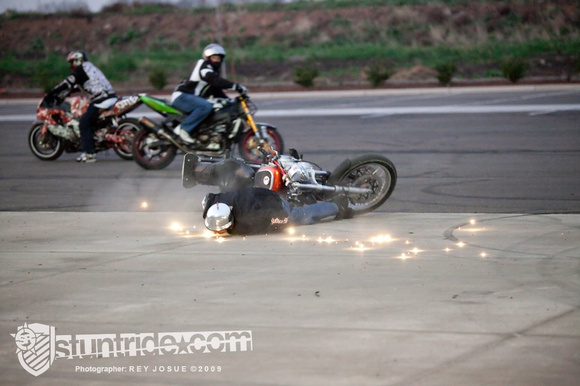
<point x="454" y="281"/>
<point x="457" y="150"/>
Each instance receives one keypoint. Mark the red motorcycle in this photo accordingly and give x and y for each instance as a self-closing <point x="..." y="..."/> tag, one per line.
<point x="57" y="127"/>
<point x="366" y="180"/>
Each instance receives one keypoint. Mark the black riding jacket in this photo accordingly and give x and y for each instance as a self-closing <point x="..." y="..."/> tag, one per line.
<point x="89" y="79"/>
<point x="205" y="81"/>
<point x="255" y="210"/>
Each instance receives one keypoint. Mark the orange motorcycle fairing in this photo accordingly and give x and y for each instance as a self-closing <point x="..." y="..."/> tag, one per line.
<point x="269" y="177"/>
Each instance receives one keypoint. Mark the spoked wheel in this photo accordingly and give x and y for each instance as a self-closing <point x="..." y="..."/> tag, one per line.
<point x="249" y="144"/>
<point x="127" y="130"/>
<point x="152" y="152"/>
<point x="369" y="171"/>
<point x="47" y="146"/>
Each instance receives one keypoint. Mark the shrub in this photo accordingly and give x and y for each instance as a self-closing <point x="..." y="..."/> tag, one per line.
<point x="305" y="76"/>
<point x="36" y="48"/>
<point x="492" y="73"/>
<point x="117" y="67"/>
<point x="445" y="72"/>
<point x="114" y="39"/>
<point x="514" y="69"/>
<point x="46" y="73"/>
<point x="378" y="72"/>
<point x="158" y="78"/>
<point x="46" y="78"/>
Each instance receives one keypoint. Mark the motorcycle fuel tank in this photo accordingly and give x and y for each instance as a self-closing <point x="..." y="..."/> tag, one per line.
<point x="269" y="177"/>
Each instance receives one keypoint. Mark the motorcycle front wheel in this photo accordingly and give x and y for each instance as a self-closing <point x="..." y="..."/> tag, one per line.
<point x="47" y="146"/>
<point x="151" y="152"/>
<point x="128" y="129"/>
<point x="248" y="146"/>
<point x="371" y="171"/>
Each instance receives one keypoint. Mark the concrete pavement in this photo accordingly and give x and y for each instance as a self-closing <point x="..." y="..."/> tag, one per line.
<point x="382" y="299"/>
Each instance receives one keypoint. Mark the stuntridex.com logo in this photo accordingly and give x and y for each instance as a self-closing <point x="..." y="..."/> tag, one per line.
<point x="38" y="346"/>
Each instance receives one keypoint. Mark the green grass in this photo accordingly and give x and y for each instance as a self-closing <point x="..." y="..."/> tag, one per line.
<point x="428" y="56"/>
<point x="44" y="73"/>
<point x="483" y="43"/>
<point x="121" y="66"/>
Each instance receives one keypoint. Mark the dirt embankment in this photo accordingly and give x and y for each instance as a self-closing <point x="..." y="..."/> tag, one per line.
<point x="418" y="26"/>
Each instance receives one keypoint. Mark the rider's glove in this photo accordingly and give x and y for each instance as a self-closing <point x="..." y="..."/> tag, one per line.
<point x="241" y="89"/>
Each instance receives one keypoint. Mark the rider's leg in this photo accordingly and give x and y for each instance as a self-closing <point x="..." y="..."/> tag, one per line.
<point x="86" y="127"/>
<point x="311" y="214"/>
<point x="197" y="107"/>
<point x="229" y="174"/>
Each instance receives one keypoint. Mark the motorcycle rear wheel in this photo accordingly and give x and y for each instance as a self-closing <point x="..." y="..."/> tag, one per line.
<point x="47" y="146"/>
<point x="366" y="171"/>
<point x="248" y="146"/>
<point x="151" y="152"/>
<point x="128" y="129"/>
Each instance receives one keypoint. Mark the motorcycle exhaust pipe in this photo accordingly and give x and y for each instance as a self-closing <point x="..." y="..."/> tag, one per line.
<point x="152" y="126"/>
<point x="339" y="189"/>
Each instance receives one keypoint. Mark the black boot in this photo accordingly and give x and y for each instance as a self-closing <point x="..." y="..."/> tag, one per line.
<point x="229" y="174"/>
<point x="344" y="212"/>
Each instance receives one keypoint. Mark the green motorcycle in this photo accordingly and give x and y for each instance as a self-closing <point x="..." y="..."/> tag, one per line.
<point x="229" y="127"/>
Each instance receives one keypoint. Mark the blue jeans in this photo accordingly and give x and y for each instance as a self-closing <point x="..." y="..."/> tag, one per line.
<point x="311" y="214"/>
<point x="197" y="108"/>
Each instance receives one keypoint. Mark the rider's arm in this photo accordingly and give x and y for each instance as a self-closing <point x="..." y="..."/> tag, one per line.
<point x="78" y="77"/>
<point x="215" y="80"/>
<point x="212" y="78"/>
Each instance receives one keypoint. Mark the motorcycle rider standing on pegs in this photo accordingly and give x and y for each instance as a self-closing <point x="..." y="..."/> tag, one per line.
<point x="260" y="211"/>
<point x="86" y="76"/>
<point x="205" y="82"/>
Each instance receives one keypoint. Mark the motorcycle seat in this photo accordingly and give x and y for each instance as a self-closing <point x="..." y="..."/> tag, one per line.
<point x="162" y="100"/>
<point x="107" y="104"/>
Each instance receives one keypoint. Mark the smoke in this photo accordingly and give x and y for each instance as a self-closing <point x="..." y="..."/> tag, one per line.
<point x="114" y="186"/>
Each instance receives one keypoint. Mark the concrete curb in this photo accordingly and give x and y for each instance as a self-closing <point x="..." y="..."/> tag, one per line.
<point x="367" y="92"/>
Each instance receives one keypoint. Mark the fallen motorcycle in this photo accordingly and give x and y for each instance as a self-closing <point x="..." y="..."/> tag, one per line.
<point x="366" y="180"/>
<point x="230" y="124"/>
<point x="57" y="127"/>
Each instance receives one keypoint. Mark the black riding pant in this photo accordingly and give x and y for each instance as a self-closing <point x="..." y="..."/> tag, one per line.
<point x="87" y="126"/>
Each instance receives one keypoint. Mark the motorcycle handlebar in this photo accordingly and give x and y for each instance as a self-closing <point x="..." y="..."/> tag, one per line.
<point x="268" y="152"/>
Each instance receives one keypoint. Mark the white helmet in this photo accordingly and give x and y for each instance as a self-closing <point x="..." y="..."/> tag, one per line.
<point x="219" y="217"/>
<point x="76" y="58"/>
<point x="213" y="49"/>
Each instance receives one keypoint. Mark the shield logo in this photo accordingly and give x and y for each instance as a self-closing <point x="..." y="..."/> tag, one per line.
<point x="36" y="348"/>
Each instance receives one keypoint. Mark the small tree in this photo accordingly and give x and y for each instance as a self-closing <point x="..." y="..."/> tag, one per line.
<point x="378" y="73"/>
<point x="158" y="78"/>
<point x="445" y="73"/>
<point x="575" y="67"/>
<point x="305" y="76"/>
<point x="514" y="69"/>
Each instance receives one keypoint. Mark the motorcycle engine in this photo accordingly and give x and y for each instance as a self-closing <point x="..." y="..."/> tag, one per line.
<point x="302" y="172"/>
<point x="69" y="131"/>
